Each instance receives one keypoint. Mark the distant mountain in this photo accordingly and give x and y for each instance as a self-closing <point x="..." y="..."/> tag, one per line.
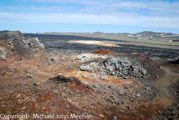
<point x="151" y="33"/>
<point x="145" y="35"/>
<point x="5" y="31"/>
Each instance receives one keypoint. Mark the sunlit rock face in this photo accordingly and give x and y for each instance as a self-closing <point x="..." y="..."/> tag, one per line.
<point x="3" y="53"/>
<point x="17" y="43"/>
<point x="118" y="66"/>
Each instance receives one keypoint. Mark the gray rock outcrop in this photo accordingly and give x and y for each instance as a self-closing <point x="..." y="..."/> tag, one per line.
<point x="3" y="53"/>
<point x="16" y="42"/>
<point x="117" y="66"/>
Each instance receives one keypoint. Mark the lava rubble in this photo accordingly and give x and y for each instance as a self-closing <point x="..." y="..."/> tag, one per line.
<point x="104" y="84"/>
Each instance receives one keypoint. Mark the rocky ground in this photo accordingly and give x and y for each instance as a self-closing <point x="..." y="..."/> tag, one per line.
<point x="62" y="80"/>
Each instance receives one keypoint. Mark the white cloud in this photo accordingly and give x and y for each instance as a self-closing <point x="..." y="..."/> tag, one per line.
<point x="11" y="17"/>
<point x="120" y="19"/>
<point x="111" y="12"/>
<point x="106" y="7"/>
<point x="69" y="1"/>
<point x="115" y="5"/>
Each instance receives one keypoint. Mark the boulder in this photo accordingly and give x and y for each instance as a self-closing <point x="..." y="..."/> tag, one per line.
<point x="3" y="53"/>
<point x="17" y="43"/>
<point x="122" y="66"/>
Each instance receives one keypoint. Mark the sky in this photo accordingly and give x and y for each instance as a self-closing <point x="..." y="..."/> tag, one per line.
<point x="110" y="16"/>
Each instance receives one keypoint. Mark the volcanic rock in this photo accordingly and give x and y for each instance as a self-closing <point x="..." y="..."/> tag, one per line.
<point x="17" y="43"/>
<point x="3" y="53"/>
<point x="88" y="56"/>
<point x="62" y="79"/>
<point x="175" y="62"/>
<point x="118" y="66"/>
<point x="125" y="67"/>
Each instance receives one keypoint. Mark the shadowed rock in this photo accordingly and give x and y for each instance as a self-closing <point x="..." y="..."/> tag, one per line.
<point x="62" y="79"/>
<point x="175" y="62"/>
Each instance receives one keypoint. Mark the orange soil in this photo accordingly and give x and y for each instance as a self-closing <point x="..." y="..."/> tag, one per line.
<point x="104" y="52"/>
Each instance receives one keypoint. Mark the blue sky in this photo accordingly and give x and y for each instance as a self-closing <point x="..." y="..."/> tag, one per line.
<point x="90" y="15"/>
